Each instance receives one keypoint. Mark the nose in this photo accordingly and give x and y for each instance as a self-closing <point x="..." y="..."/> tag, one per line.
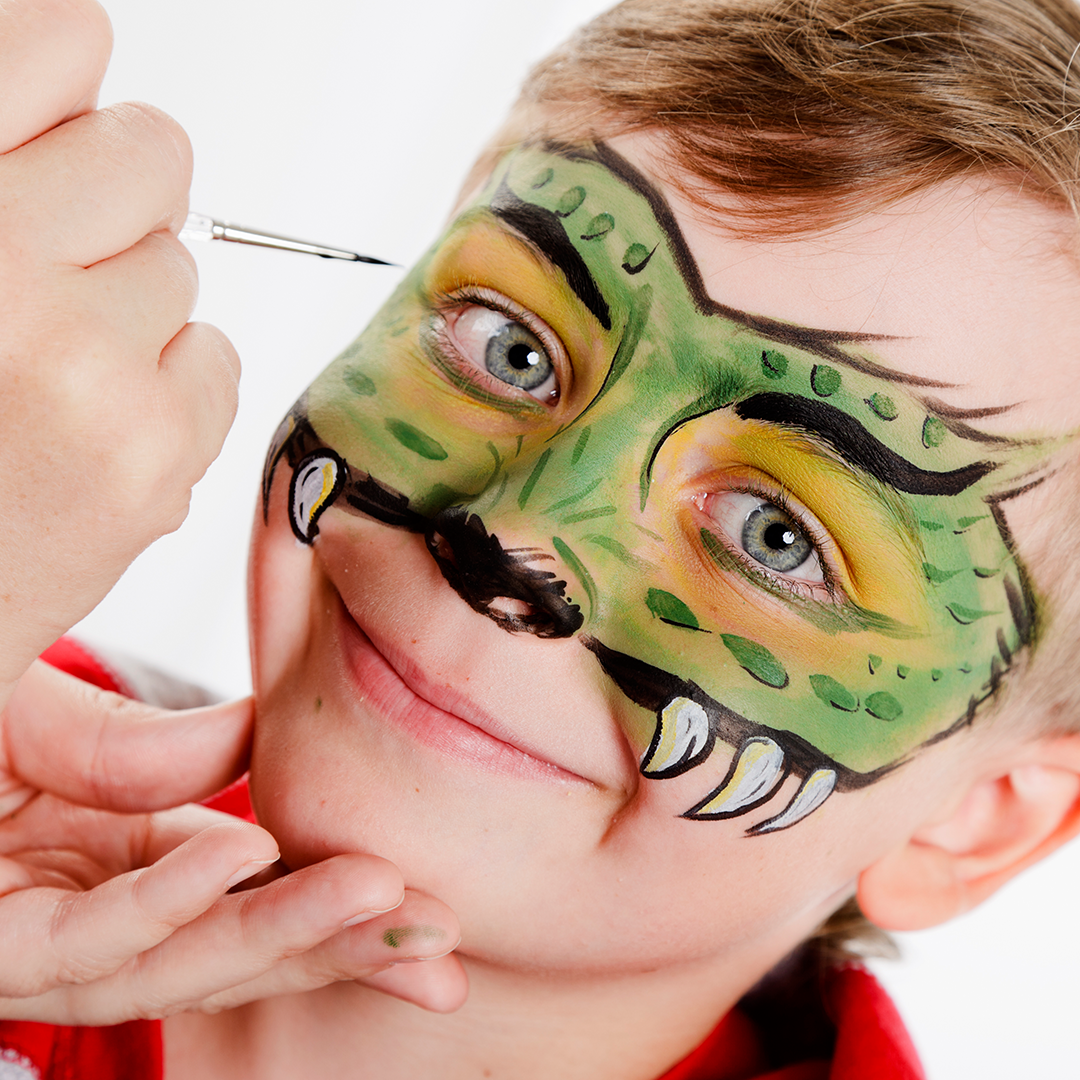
<point x="501" y="583"/>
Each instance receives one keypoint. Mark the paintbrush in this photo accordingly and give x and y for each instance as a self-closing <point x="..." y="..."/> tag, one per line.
<point x="201" y="227"/>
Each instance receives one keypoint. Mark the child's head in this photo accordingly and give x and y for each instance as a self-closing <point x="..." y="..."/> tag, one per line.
<point x="657" y="560"/>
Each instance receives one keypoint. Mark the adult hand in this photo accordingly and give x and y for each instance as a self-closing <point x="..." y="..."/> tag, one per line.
<point x="113" y="906"/>
<point x="113" y="404"/>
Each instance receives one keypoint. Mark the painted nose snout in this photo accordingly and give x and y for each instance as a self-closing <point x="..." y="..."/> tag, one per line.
<point x="505" y="584"/>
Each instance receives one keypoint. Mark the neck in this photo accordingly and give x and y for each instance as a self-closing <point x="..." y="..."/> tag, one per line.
<point x="530" y="1026"/>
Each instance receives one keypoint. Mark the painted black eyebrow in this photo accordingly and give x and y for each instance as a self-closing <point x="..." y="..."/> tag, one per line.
<point x="856" y="445"/>
<point x="544" y="229"/>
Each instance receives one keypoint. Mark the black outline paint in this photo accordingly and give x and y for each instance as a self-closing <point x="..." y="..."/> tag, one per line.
<point x="544" y="229"/>
<point x="824" y="343"/>
<point x="340" y="474"/>
<point x="856" y="445"/>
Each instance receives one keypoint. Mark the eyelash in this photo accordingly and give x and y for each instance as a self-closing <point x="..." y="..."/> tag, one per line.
<point x="762" y="575"/>
<point x="481" y="296"/>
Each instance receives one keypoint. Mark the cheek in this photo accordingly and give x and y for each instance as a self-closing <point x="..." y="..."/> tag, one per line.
<point x="279" y="586"/>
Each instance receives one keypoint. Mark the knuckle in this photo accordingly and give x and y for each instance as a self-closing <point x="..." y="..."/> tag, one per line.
<point x="150" y="126"/>
<point x="95" y="29"/>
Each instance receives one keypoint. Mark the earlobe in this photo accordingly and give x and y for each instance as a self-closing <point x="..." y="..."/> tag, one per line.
<point x="1006" y="822"/>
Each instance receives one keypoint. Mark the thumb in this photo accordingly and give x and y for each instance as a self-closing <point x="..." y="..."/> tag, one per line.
<point x="64" y="736"/>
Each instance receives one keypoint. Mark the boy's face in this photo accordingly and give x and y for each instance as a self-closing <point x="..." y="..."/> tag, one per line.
<point x="621" y="539"/>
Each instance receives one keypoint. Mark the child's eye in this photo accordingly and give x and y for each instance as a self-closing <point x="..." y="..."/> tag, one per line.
<point x="766" y="535"/>
<point x="503" y="342"/>
<point x="506" y="349"/>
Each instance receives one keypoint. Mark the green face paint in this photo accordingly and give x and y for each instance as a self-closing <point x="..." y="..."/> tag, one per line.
<point x="764" y="536"/>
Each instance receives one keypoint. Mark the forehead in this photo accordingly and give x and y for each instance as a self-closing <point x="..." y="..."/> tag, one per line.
<point x="970" y="283"/>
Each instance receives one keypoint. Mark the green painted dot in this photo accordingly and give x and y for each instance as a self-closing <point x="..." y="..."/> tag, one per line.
<point x="635" y="258"/>
<point x="570" y="201"/>
<point x="600" y="226"/>
<point x="832" y="693"/>
<point x="412" y="438"/>
<point x="937" y="576"/>
<point x="875" y="663"/>
<point x="824" y="380"/>
<point x="933" y="432"/>
<point x="965" y="615"/>
<point x="883" y="406"/>
<point x="902" y="671"/>
<point x="965" y="668"/>
<point x="932" y="526"/>
<point x="967" y="522"/>
<point x="986" y="571"/>
<point x="358" y="382"/>
<point x="883" y="706"/>
<point x="542" y="179"/>
<point x="671" y="609"/>
<point x="936" y="674"/>
<point x="773" y="364"/>
<point x="756" y="660"/>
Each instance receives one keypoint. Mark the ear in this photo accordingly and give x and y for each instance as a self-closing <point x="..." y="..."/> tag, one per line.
<point x="1010" y="818"/>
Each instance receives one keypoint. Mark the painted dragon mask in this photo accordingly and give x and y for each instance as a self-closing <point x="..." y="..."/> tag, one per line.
<point x="765" y="537"/>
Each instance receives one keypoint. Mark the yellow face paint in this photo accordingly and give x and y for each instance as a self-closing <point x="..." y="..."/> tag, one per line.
<point x="762" y="539"/>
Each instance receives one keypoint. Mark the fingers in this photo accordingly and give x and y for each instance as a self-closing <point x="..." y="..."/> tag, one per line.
<point x="112" y="407"/>
<point x="96" y="185"/>
<point x="438" y="985"/>
<point x="236" y="941"/>
<point x="421" y="929"/>
<point x="68" y="738"/>
<point x="61" y="937"/>
<point x="53" y="55"/>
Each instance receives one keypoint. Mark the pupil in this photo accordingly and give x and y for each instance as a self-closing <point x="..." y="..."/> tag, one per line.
<point x="521" y="357"/>
<point x="779" y="537"/>
<point x="771" y="538"/>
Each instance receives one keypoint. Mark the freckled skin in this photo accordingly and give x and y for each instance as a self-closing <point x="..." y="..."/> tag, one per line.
<point x="673" y="396"/>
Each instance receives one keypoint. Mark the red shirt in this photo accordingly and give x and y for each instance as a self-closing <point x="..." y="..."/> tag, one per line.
<point x="841" y="1027"/>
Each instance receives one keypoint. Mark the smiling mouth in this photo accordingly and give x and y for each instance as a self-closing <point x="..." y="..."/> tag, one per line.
<point x="431" y="714"/>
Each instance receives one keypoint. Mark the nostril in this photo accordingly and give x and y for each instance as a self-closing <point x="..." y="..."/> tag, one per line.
<point x="500" y="584"/>
<point x="511" y="607"/>
<point x="441" y="547"/>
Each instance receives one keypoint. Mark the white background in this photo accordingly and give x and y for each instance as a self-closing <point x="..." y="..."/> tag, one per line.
<point x="352" y="123"/>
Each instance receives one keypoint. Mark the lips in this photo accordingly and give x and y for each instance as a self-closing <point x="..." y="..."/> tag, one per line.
<point x="438" y="716"/>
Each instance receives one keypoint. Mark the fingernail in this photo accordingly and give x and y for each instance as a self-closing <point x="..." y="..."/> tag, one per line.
<point x="372" y="912"/>
<point x="249" y="870"/>
<point x="364" y="916"/>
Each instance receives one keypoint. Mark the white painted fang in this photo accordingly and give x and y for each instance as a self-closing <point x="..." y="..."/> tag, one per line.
<point x="759" y="768"/>
<point x="816" y="788"/>
<point x="313" y="486"/>
<point x="684" y="731"/>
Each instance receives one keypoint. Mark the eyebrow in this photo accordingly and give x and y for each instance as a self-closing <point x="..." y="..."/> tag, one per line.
<point x="544" y="229"/>
<point x="856" y="445"/>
